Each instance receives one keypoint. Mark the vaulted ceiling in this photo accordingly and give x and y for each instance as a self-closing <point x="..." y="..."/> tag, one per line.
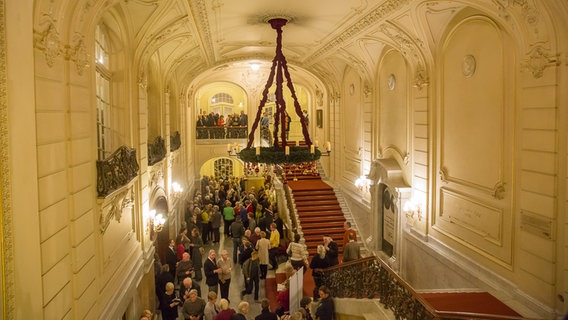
<point x="193" y="36"/>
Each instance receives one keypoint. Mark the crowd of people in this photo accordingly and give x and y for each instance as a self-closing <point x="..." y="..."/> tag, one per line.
<point x="215" y="126"/>
<point x="254" y="230"/>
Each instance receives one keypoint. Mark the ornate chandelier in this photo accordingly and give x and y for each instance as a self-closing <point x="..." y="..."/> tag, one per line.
<point x="280" y="151"/>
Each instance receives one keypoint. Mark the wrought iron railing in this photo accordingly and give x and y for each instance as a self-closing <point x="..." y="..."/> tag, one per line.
<point x="371" y="278"/>
<point x="229" y="132"/>
<point x="116" y="171"/>
<point x="156" y="151"/>
<point x="175" y="141"/>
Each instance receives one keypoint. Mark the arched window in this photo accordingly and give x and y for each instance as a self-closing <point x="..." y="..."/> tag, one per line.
<point x="103" y="87"/>
<point x="222" y="103"/>
<point x="222" y="98"/>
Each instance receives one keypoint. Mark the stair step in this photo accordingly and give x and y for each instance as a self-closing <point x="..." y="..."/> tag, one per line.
<point x="314" y="198"/>
<point x="317" y="234"/>
<point x="319" y="208"/>
<point x="321" y="225"/>
<point x="316" y="212"/>
<point x="300" y="193"/>
<point x="320" y="219"/>
<point x="317" y="203"/>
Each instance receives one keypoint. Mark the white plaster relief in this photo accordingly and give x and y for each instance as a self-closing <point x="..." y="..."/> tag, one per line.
<point x="538" y="60"/>
<point x="49" y="41"/>
<point x="78" y="54"/>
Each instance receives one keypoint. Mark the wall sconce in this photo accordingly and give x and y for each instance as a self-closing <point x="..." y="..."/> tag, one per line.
<point x="234" y="149"/>
<point x="326" y="148"/>
<point x="177" y="190"/>
<point x="154" y="221"/>
<point x="412" y="210"/>
<point x="362" y="183"/>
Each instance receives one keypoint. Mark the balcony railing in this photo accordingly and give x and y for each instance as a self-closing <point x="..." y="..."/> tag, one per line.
<point x="175" y="141"/>
<point x="371" y="278"/>
<point x="156" y="151"/>
<point x="229" y="132"/>
<point x="116" y="171"/>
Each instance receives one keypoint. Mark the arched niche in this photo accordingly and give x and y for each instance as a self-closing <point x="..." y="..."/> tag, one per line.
<point x="389" y="193"/>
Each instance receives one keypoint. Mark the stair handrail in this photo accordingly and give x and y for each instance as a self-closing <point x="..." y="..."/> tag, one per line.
<point x="372" y="278"/>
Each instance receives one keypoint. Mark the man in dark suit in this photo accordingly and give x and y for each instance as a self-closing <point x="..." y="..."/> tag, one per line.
<point x="171" y="257"/>
<point x="331" y="250"/>
<point x="211" y="271"/>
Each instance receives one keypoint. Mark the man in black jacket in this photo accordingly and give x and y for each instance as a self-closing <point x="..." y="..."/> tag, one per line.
<point x="211" y="271"/>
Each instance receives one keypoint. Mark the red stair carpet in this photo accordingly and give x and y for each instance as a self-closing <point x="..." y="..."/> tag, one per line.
<point x="319" y="212"/>
<point x="474" y="302"/>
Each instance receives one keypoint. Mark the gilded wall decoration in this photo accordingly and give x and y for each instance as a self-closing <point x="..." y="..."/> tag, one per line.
<point x="365" y="22"/>
<point x="420" y="79"/>
<point x="122" y="200"/>
<point x="78" y="53"/>
<point x="539" y="59"/>
<point x="49" y="41"/>
<point x="6" y="229"/>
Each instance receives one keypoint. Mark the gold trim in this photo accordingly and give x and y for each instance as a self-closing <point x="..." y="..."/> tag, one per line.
<point x="6" y="236"/>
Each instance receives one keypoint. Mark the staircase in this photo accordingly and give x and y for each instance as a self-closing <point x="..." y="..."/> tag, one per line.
<point x="319" y="212"/>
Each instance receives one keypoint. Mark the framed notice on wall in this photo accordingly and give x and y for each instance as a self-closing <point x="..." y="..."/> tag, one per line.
<point x="319" y="118"/>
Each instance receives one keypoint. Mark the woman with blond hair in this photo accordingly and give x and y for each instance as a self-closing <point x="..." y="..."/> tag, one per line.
<point x="226" y="312"/>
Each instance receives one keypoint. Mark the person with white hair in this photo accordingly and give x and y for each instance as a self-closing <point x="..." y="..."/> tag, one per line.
<point x="194" y="307"/>
<point x="242" y="311"/>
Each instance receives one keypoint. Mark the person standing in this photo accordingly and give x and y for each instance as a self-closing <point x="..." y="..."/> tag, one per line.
<point x="348" y="231"/>
<point x="251" y="272"/>
<point x="215" y="221"/>
<point x="163" y="278"/>
<point x="186" y="288"/>
<point x="351" y="250"/>
<point x="171" y="257"/>
<point x="331" y="249"/>
<point x="194" y="307"/>
<point x="318" y="263"/>
<point x="306" y="308"/>
<point x="184" y="268"/>
<point x="169" y="303"/>
<point x="243" y="310"/>
<point x="298" y="253"/>
<point x="237" y="231"/>
<point x="274" y="245"/>
<point x="211" y="271"/>
<point x="262" y="246"/>
<point x="226" y="266"/>
<point x="265" y="313"/>
<point x="197" y="253"/>
<point x="211" y="308"/>
<point x="226" y="312"/>
<point x="326" y="309"/>
<point x="228" y="216"/>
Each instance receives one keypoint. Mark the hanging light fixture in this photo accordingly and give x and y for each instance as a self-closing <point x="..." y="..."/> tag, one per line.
<point x="280" y="151"/>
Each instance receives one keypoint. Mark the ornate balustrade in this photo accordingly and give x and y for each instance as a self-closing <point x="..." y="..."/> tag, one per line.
<point x="175" y="141"/>
<point x="116" y="171"/>
<point x="229" y="132"/>
<point x="156" y="151"/>
<point x="371" y="278"/>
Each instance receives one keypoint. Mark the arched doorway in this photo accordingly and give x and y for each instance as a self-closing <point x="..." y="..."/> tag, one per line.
<point x="162" y="237"/>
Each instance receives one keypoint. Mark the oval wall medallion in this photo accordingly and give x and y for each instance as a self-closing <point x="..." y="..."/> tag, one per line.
<point x="391" y="82"/>
<point x="351" y="89"/>
<point x="469" y="65"/>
